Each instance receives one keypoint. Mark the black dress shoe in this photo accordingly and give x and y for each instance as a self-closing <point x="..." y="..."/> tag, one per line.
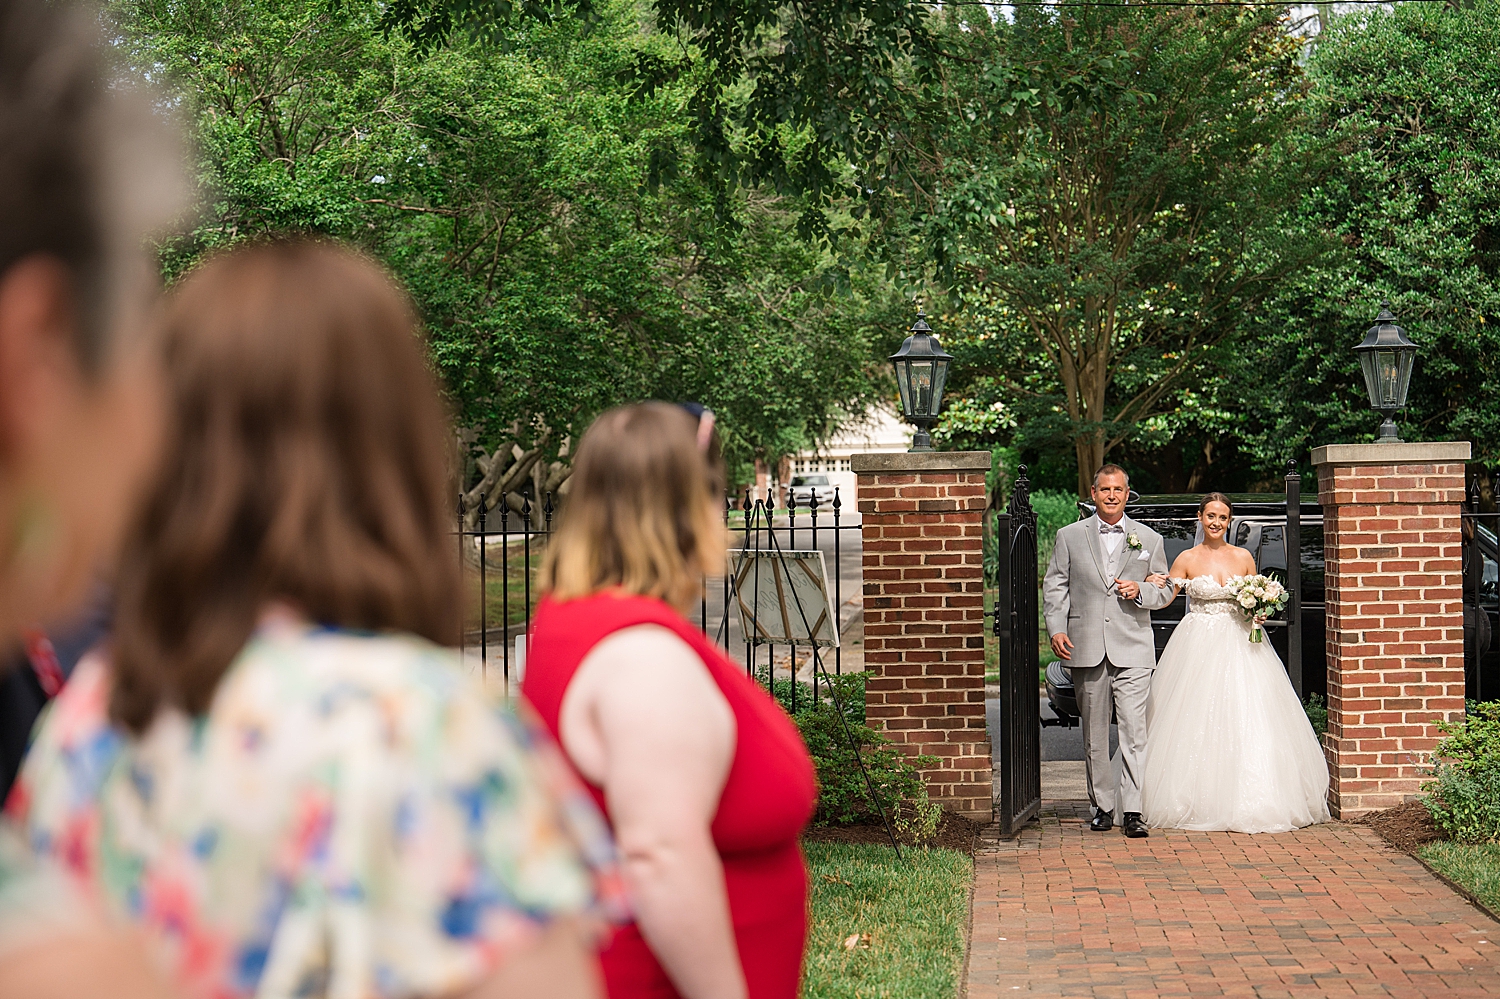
<point x="1103" y="821"/>
<point x="1135" y="826"/>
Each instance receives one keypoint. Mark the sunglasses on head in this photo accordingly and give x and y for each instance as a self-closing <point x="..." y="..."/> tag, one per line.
<point x="705" y="418"/>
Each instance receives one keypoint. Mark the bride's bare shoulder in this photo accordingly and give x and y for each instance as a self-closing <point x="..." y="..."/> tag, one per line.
<point x="1182" y="566"/>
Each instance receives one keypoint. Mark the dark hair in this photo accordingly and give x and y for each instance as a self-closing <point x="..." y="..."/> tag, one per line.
<point x="309" y="461"/>
<point x="1111" y="469"/>
<point x="88" y="170"/>
<point x="1215" y="498"/>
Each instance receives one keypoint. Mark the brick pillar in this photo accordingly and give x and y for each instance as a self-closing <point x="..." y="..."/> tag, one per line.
<point x="1395" y="639"/>
<point x="922" y="517"/>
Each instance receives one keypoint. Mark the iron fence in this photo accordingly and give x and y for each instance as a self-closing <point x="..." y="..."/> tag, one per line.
<point x="503" y="548"/>
<point x="517" y="528"/>
<point x="1481" y="598"/>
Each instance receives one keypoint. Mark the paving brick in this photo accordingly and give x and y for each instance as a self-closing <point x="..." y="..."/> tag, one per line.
<point x="1324" y="911"/>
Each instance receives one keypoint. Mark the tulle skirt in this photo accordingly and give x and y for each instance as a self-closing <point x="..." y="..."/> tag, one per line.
<point x="1228" y="745"/>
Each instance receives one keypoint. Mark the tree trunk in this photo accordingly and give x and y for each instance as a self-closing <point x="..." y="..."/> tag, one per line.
<point x="1093" y="383"/>
<point x="1090" y="450"/>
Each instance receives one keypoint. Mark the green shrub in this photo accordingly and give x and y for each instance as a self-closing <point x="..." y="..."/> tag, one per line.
<point x="1054" y="511"/>
<point x="1317" y="713"/>
<point x="1464" y="795"/>
<point x="843" y="796"/>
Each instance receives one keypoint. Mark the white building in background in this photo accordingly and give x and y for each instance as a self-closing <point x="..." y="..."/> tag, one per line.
<point x="880" y="430"/>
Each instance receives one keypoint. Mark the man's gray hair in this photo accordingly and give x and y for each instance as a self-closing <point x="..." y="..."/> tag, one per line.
<point x="89" y="170"/>
<point x="1111" y="469"/>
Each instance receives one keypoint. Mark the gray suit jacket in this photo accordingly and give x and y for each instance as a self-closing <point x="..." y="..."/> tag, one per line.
<point x="1079" y="596"/>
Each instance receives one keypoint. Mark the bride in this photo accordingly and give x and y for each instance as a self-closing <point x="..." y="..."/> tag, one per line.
<point x="1228" y="745"/>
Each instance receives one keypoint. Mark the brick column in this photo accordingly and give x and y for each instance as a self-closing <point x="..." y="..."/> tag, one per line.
<point x="1391" y="536"/>
<point x="922" y="517"/>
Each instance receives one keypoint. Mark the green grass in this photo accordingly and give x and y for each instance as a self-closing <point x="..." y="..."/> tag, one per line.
<point x="1475" y="866"/>
<point x="504" y="592"/>
<point x="915" y="914"/>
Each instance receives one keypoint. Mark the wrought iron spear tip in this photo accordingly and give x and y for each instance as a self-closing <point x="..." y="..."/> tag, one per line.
<point x="548" y="508"/>
<point x="836" y="501"/>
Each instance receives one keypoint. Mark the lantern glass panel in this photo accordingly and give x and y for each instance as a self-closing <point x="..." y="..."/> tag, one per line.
<point x="939" y="382"/>
<point x="1388" y="363"/>
<point x="1372" y="377"/>
<point x="903" y="382"/>
<point x="919" y="373"/>
<point x="1404" y="361"/>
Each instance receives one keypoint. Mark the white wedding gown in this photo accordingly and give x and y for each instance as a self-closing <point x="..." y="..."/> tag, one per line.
<point x="1228" y="746"/>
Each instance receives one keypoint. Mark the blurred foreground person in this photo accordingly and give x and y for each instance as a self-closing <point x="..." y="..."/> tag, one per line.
<point x="290" y="786"/>
<point x="87" y="173"/>
<point x="704" y="778"/>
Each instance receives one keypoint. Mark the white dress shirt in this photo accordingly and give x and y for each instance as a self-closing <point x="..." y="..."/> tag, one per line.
<point x="1112" y="541"/>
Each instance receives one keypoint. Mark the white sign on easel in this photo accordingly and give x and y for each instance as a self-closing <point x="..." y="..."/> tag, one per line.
<point x="783" y="598"/>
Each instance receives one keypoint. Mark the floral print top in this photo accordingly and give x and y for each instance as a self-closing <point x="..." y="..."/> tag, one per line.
<point x="37" y="900"/>
<point x="352" y="818"/>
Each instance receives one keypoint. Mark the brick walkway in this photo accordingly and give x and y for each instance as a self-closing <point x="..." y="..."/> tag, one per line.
<point x="1329" y="910"/>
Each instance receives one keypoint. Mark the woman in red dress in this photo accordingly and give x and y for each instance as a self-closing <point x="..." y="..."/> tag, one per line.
<point x="704" y="778"/>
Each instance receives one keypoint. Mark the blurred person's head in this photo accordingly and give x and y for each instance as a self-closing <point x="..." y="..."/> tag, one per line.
<point x="87" y="173"/>
<point x="645" y="508"/>
<point x="307" y="463"/>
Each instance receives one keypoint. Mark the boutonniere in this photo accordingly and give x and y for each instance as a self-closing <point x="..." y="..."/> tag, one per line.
<point x="1133" y="541"/>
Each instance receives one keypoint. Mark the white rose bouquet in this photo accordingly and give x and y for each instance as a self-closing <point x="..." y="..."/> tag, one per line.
<point x="1258" y="597"/>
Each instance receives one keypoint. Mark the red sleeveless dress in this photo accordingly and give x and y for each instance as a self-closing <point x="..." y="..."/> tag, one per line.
<point x="767" y="800"/>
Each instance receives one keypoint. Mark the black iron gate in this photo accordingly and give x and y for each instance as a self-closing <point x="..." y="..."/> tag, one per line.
<point x="1017" y="744"/>
<point x="1481" y="599"/>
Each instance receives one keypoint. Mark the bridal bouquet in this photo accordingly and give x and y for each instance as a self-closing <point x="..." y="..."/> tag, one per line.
<point x="1258" y="597"/>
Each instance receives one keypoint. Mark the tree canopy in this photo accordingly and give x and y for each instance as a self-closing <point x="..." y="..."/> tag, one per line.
<point x="1412" y="96"/>
<point x="1148" y="234"/>
<point x="518" y="191"/>
<point x="1103" y="192"/>
<point x="1370" y="174"/>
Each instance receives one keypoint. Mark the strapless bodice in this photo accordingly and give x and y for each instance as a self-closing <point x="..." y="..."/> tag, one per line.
<point x="1208" y="596"/>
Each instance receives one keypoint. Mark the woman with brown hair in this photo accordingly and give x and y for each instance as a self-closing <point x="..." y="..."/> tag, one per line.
<point x="288" y="783"/>
<point x="704" y="778"/>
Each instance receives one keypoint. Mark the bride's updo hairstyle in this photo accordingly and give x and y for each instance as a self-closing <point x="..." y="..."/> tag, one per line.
<point x="1215" y="498"/>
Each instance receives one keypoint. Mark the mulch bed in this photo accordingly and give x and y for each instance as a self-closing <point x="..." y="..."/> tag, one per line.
<point x="1406" y="827"/>
<point x="954" y="832"/>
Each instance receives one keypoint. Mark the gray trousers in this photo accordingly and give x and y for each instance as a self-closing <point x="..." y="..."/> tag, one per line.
<point x="1098" y="688"/>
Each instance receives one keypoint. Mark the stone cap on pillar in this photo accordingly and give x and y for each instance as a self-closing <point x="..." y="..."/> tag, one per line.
<point x="1417" y="453"/>
<point x="922" y="461"/>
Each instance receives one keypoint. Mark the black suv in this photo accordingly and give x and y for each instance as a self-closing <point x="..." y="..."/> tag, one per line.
<point x="1259" y="525"/>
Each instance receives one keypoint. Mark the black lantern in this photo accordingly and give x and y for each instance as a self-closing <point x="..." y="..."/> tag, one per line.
<point x="1386" y="356"/>
<point x="921" y="374"/>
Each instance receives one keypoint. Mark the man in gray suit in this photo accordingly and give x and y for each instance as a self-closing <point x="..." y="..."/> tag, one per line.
<point x="1098" y="608"/>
